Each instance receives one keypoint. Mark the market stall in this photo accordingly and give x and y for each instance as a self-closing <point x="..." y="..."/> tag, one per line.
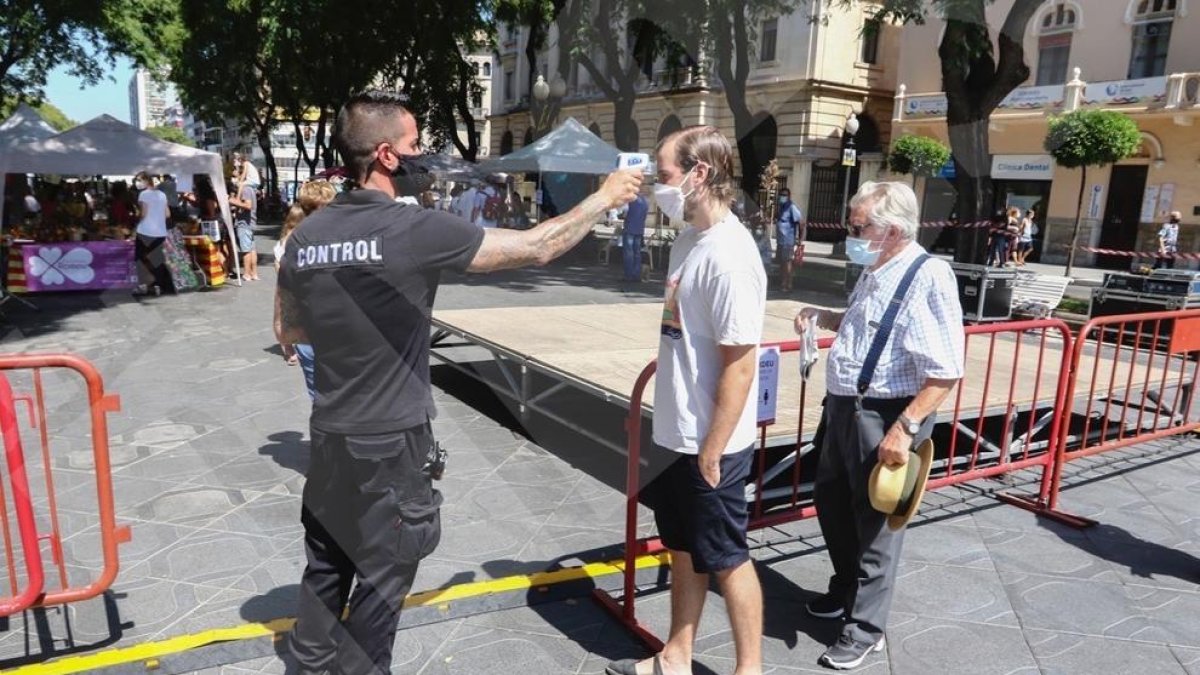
<point x="102" y="146"/>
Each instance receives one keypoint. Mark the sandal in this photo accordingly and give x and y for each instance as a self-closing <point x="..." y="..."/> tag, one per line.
<point x="629" y="667"/>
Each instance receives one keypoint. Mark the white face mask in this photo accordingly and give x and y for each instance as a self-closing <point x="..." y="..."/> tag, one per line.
<point x="670" y="198"/>
<point x="139" y="184"/>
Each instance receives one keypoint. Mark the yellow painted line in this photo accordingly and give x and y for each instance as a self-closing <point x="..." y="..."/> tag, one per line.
<point x="153" y="650"/>
<point x="150" y="652"/>
<point x="522" y="582"/>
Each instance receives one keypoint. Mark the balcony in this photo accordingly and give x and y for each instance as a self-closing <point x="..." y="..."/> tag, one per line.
<point x="1168" y="94"/>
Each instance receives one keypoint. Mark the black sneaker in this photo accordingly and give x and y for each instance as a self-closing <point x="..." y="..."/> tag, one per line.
<point x="849" y="653"/>
<point x="827" y="606"/>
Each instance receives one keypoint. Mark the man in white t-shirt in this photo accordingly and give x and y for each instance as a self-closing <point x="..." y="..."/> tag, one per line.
<point x="703" y="409"/>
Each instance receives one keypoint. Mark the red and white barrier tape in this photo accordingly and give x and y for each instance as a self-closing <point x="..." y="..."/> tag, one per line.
<point x="932" y="223"/>
<point x="1140" y="254"/>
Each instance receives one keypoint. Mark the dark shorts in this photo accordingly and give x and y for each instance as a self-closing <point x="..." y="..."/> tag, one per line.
<point x="708" y="523"/>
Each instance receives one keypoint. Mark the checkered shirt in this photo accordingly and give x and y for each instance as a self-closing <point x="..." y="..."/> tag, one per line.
<point x="927" y="339"/>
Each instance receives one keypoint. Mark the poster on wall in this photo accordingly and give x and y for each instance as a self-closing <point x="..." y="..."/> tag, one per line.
<point x="1149" y="203"/>
<point x="1095" y="202"/>
<point x="1166" y="197"/>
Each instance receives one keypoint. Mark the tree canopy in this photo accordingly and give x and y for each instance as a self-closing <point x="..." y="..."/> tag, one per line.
<point x="172" y="134"/>
<point x="1084" y="138"/>
<point x="269" y="62"/>
<point x="917" y="155"/>
<point x="49" y="112"/>
<point x="38" y="36"/>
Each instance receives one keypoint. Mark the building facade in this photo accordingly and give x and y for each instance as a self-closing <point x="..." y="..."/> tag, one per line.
<point x="1141" y="57"/>
<point x="153" y="101"/>
<point x="809" y="71"/>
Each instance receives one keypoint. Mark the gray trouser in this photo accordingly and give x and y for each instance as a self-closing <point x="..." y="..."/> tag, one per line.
<point x="863" y="550"/>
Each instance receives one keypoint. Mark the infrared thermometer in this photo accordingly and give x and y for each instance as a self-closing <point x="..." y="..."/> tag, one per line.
<point x="634" y="160"/>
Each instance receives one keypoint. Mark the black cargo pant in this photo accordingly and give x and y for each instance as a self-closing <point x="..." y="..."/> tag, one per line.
<point x="370" y="514"/>
<point x="863" y="550"/>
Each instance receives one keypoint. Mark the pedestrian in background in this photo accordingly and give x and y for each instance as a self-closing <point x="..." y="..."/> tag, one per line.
<point x="153" y="275"/>
<point x="1168" y="242"/>
<point x="245" y="216"/>
<point x="309" y="198"/>
<point x="631" y="238"/>
<point x="788" y="228"/>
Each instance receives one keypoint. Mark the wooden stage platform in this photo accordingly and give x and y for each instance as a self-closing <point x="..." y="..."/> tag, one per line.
<point x="601" y="349"/>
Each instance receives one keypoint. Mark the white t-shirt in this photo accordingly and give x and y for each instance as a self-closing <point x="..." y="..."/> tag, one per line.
<point x="251" y="174"/>
<point x="481" y="198"/>
<point x="153" y="205"/>
<point x="32" y="205"/>
<point x="716" y="295"/>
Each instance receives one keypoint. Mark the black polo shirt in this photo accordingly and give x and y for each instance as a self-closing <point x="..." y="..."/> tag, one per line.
<point x="364" y="271"/>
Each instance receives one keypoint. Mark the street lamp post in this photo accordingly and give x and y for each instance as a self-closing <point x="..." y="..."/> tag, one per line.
<point x="849" y="158"/>
<point x="542" y="111"/>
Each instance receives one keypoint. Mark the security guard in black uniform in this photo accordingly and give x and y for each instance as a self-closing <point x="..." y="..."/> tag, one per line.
<point x="358" y="282"/>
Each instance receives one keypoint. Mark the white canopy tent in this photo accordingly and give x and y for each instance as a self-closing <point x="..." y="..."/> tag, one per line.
<point x="108" y="146"/>
<point x="571" y="148"/>
<point x="25" y="125"/>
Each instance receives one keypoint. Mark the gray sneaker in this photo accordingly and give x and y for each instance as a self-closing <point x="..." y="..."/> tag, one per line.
<point x="848" y="653"/>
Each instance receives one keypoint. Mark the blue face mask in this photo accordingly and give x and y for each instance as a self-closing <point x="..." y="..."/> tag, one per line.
<point x="857" y="250"/>
<point x="783" y="201"/>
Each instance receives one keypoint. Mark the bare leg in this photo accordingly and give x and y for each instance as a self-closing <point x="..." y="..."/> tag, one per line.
<point x="688" y="592"/>
<point x="786" y="275"/>
<point x="743" y="598"/>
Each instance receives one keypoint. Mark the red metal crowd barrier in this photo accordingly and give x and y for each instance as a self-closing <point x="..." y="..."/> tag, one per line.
<point x="14" y="456"/>
<point x="99" y="404"/>
<point x="1007" y="420"/>
<point x="1133" y="381"/>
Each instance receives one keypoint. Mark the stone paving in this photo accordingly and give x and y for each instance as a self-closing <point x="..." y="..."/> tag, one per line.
<point x="209" y="450"/>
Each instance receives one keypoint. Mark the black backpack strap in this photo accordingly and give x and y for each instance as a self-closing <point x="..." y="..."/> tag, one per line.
<point x="886" y="325"/>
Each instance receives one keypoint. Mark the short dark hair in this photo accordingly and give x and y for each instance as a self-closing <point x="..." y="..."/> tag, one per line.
<point x="365" y="121"/>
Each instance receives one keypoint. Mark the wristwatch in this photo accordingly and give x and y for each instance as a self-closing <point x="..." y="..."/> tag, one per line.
<point x="910" y="427"/>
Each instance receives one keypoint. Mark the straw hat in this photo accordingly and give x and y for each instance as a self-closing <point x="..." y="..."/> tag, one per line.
<point x="898" y="491"/>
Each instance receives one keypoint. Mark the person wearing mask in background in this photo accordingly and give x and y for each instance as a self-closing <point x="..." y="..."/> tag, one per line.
<point x="357" y="281"/>
<point x="631" y="238"/>
<point x="1168" y="242"/>
<point x="311" y="196"/>
<point x="788" y="227"/>
<point x="898" y="353"/>
<point x="153" y="274"/>
<point x="712" y="323"/>
<point x="245" y="216"/>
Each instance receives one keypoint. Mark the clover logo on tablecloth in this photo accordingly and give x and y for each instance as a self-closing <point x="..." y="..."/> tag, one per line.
<point x="52" y="267"/>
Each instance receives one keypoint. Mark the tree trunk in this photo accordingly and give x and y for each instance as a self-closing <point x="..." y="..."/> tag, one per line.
<point x="972" y="182"/>
<point x="1078" y="222"/>
<point x="752" y="164"/>
<point x="625" y="129"/>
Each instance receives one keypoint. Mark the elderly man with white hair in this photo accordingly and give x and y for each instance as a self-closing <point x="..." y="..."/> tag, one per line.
<point x="897" y="355"/>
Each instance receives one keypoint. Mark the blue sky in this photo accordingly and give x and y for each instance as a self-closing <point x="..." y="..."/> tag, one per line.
<point x="108" y="97"/>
